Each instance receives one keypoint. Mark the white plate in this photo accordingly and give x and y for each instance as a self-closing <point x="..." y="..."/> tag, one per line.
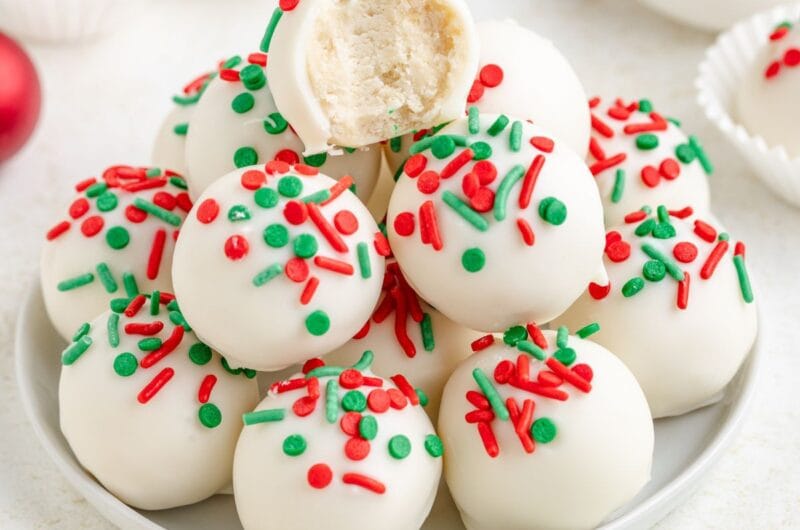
<point x="685" y="448"/>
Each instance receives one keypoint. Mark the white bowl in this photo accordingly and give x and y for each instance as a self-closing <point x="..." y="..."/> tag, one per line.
<point x="721" y="74"/>
<point x="685" y="446"/>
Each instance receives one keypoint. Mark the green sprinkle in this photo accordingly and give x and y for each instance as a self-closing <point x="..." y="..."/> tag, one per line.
<point x="723" y="236"/>
<point x="245" y="156"/>
<point x="184" y="101"/>
<point x="263" y="416"/>
<point x="118" y="305"/>
<point x="152" y="172"/>
<point x="473" y="259"/>
<point x="465" y="211"/>
<point x="694" y="143"/>
<point x="544" y="430"/>
<point x="178" y="182"/>
<point x="266" y="197"/>
<point x="515" y="174"/>
<point x="149" y="344"/>
<point x="270" y="31"/>
<point x="552" y="211"/>
<point x="565" y="355"/>
<point x="290" y="186"/>
<point x="480" y="150"/>
<point x="399" y="446"/>
<point x="474" y="120"/>
<point x="354" y="401"/>
<point x="112" y="329"/>
<point x="173" y="305"/>
<point x="363" y="260"/>
<point x="515" y="137"/>
<point x="365" y="361"/>
<point x="305" y="246"/>
<point x="491" y="394"/>
<point x="426" y="329"/>
<point x="209" y="415"/>
<point x="664" y="231"/>
<point x="396" y="143"/>
<point x="368" y="427"/>
<point x="588" y="331"/>
<point x="107" y="201"/>
<point x="645" y="228"/>
<point x="632" y="286"/>
<point x="155" y="303"/>
<point x="199" y="353"/>
<point x="654" y="270"/>
<point x="433" y="444"/>
<point x="332" y="400"/>
<point x="325" y="371"/>
<point x="181" y="129"/>
<point x="129" y="283"/>
<point x="421" y="145"/>
<point x="294" y="445"/>
<point x="514" y="334"/>
<point x="96" y="189"/>
<point x="663" y="214"/>
<point x="443" y="146"/>
<point x="619" y="186"/>
<point x="267" y="274"/>
<point x="77" y="281"/>
<point x="530" y="348"/>
<point x="562" y="337"/>
<point x="275" y="123"/>
<point x="645" y="105"/>
<point x="422" y="396"/>
<point x="744" y="279"/>
<point x="318" y="323"/>
<point x="157" y="211"/>
<point x="75" y="350"/>
<point x="317" y="197"/>
<point x="315" y="160"/>
<point x="176" y="317"/>
<point x="125" y="364"/>
<point x="460" y="141"/>
<point x="675" y="121"/>
<point x="276" y="235"/>
<point x="252" y="77"/>
<point x="672" y="268"/>
<point x="81" y="332"/>
<point x="646" y="142"/>
<point x="498" y="126"/>
<point x="106" y="278"/>
<point x="238" y="212"/>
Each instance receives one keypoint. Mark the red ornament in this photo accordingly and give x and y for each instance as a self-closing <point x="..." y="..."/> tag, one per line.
<point x="20" y="97"/>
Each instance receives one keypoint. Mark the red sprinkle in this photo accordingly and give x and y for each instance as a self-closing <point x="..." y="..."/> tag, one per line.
<point x="325" y="228"/>
<point x="57" y="230"/>
<point x="167" y="347"/>
<point x="309" y="290"/>
<point x="378" y="400"/>
<point x="363" y="332"/>
<point x="713" y="260"/>
<point x="405" y="387"/>
<point x="79" y="207"/>
<point x="236" y="247"/>
<point x="584" y="371"/>
<point x="650" y="176"/>
<point x="229" y="74"/>
<point x="428" y="182"/>
<point x="543" y="144"/>
<point x="705" y="231"/>
<point x="685" y="252"/>
<point x="478" y="399"/>
<point x="319" y="476"/>
<point x="288" y="5"/>
<point x="140" y="328"/>
<point x="482" y="200"/>
<point x="82" y="185"/>
<point x="415" y="165"/>
<point x="156" y="253"/>
<point x="739" y="250"/>
<point x="772" y="69"/>
<point x="356" y="448"/>
<point x="165" y="200"/>
<point x="134" y="214"/>
<point x="304" y="406"/>
<point x="295" y="212"/>
<point x="357" y="479"/>
<point x="381" y="245"/>
<point x="536" y="335"/>
<point x="333" y="265"/>
<point x="527" y="232"/>
<point x="351" y="378"/>
<point x="791" y="57"/>
<point x="488" y="439"/>
<point x="206" y="386"/>
<point x="682" y="213"/>
<point x="683" y="291"/>
<point x="397" y="399"/>
<point x="278" y="166"/>
<point x="482" y="343"/>
<point x="288" y="156"/>
<point x="595" y="150"/>
<point x="342" y="185"/>
<point x="296" y="269"/>
<point x="504" y="371"/>
<point x="479" y="416"/>
<point x="491" y="75"/>
<point x="345" y="222"/>
<point x="349" y="423"/>
<point x="568" y="375"/>
<point x="207" y="211"/>
<point x="252" y="179"/>
<point x="470" y="184"/>
<point x="486" y="172"/>
<point x="598" y="292"/>
<point x="257" y="58"/>
<point x="292" y="384"/>
<point x="669" y="169"/>
<point x="635" y="217"/>
<point x="429" y="225"/>
<point x="607" y="163"/>
<point x="183" y="201"/>
<point x="618" y="251"/>
<point x="455" y="165"/>
<point x="404" y="224"/>
<point x="475" y="92"/>
<point x="529" y="182"/>
<point x="601" y="127"/>
<point x="91" y="226"/>
<point x="310" y="364"/>
<point x="135" y="305"/>
<point x="157" y="383"/>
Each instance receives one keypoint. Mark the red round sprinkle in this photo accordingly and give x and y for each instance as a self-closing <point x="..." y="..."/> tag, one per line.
<point x="612" y="237"/>
<point x="295" y="212"/>
<point x="491" y="75"/>
<point x="669" y="169"/>
<point x="310" y="364"/>
<point x="397" y="399"/>
<point x="319" y="476"/>
<point x="296" y="269"/>
<point x="475" y="92"/>
<point x="207" y="211"/>
<point x="791" y="57"/>
<point x="772" y="70"/>
<point x="650" y="176"/>
<point x="304" y="406"/>
<point x="685" y="252"/>
<point x="288" y="156"/>
<point x="134" y="214"/>
<point x="486" y="171"/>
<point x="415" y="165"/>
<point x="598" y="292"/>
<point x="404" y="224"/>
<point x="351" y="378"/>
<point x="482" y="200"/>
<point x="428" y="182"/>
<point x="378" y="400"/>
<point x="618" y="251"/>
<point x="78" y="208"/>
<point x="503" y="371"/>
<point x="345" y="222"/>
<point x="236" y="247"/>
<point x="165" y="200"/>
<point x="183" y="201"/>
<point x="252" y="179"/>
<point x="276" y="166"/>
<point x="584" y="371"/>
<point x="349" y="423"/>
<point x="356" y="448"/>
<point x="92" y="225"/>
<point x="288" y="5"/>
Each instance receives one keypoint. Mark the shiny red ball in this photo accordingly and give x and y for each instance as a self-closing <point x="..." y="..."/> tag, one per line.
<point x="20" y="97"/>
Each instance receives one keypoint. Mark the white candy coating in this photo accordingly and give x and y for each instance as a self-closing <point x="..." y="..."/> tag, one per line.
<point x="768" y="106"/>
<point x="73" y="254"/>
<point x="681" y="357"/>
<point x="157" y="454"/>
<point x="679" y="182"/>
<point x="242" y="301"/>
<point x="518" y="282"/>
<point x="217" y="132"/>
<point x="600" y="457"/>
<point x="272" y="490"/>
<point x="170" y="145"/>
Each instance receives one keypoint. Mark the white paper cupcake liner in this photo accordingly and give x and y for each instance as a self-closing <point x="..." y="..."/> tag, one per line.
<point x="58" y="20"/>
<point x="721" y="73"/>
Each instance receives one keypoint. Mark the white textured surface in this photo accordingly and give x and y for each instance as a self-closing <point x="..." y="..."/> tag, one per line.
<point x="95" y="114"/>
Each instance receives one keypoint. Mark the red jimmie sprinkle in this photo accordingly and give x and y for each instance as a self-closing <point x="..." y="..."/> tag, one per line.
<point x="601" y="127"/>
<point x="705" y="231"/>
<point x="488" y="439"/>
<point x="475" y="92"/>
<point x="155" y="385"/>
<point x="229" y="74"/>
<point x="82" y="185"/>
<point x="658" y="123"/>
<point x="405" y="387"/>
<point x="135" y="305"/>
<point x="334" y="265"/>
<point x="568" y="375"/>
<point x="167" y="347"/>
<point x="145" y="184"/>
<point x="309" y="290"/>
<point x="357" y="479"/>
<point x="257" y="58"/>
<point x="683" y="213"/>
<point x="529" y="181"/>
<point x="381" y="245"/>
<point x="635" y="217"/>
<point x="206" y="386"/>
<point x="452" y="167"/>
<point x="482" y="343"/>
<point x="683" y="291"/>
<point x="292" y="384"/>
<point x="400" y="321"/>
<point x="523" y="425"/>
<point x="479" y="416"/>
<point x="397" y="400"/>
<point x="363" y="332"/>
<point x="156" y="253"/>
<point x="79" y="207"/>
<point x="595" y="150"/>
<point x="429" y="225"/>
<point x="478" y="399"/>
<point x="526" y="231"/>
<point x="288" y="5"/>
<point x="543" y="144"/>
<point x="141" y="328"/>
<point x="325" y="228"/>
<point x="57" y="230"/>
<point x="536" y="335"/>
<point x="607" y="163"/>
<point x="342" y="185"/>
<point x="713" y="260"/>
<point x="305" y="170"/>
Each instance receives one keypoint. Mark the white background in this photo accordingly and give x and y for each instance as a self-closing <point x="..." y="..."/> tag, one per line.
<point x="103" y="102"/>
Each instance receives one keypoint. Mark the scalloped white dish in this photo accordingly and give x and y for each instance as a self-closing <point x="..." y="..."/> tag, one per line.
<point x="685" y="447"/>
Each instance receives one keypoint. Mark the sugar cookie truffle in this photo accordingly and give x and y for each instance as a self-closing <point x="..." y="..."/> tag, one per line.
<point x="409" y="336"/>
<point x="766" y="102"/>
<point x="149" y="410"/>
<point x="639" y="157"/>
<point x="358" y="72"/>
<point x="678" y="306"/>
<point x="277" y="264"/>
<point x="494" y="223"/>
<point x="236" y="124"/>
<point x="543" y="430"/>
<point x="116" y="238"/>
<point x="520" y="74"/>
<point x="337" y="448"/>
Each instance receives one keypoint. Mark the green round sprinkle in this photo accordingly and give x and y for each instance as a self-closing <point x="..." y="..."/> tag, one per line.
<point x="654" y="270"/>
<point x="368" y="427"/>
<point x="276" y="235"/>
<point x="275" y="123"/>
<point x="354" y="401"/>
<point x="245" y="156"/>
<point x="552" y="211"/>
<point x="645" y="105"/>
<point x="443" y="146"/>
<point x="514" y="334"/>
<point x="648" y="141"/>
<point x="318" y="323"/>
<point x="305" y="246"/>
<point x="125" y="364"/>
<point x="149" y="344"/>
<point x="315" y="160"/>
<point x="481" y="150"/>
<point x="117" y="237"/>
<point x="243" y="102"/>
<point x="685" y="153"/>
<point x="565" y="355"/>
<point x="423" y="397"/>
<point x="290" y="186"/>
<point x="433" y="444"/>
<point x="199" y="353"/>
<point x="473" y="259"/>
<point x="266" y="197"/>
<point x="632" y="286"/>
<point x="544" y="430"/>
<point x="210" y="415"/>
<point x="664" y="231"/>
<point x="252" y="77"/>
<point x="294" y="445"/>
<point x="107" y="202"/>
<point x="238" y="212"/>
<point x="399" y="446"/>
<point x="181" y="129"/>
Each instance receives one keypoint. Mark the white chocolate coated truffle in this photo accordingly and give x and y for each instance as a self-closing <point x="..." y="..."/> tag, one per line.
<point x="766" y="102"/>
<point x="149" y="410"/>
<point x="494" y="223"/>
<point x="237" y="124"/>
<point x="278" y="264"/>
<point x="410" y="337"/>
<point x="358" y="72"/>
<point x="639" y="157"/>
<point x="341" y="451"/>
<point x="117" y="237"/>
<point x="683" y="339"/>
<point x="572" y="449"/>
